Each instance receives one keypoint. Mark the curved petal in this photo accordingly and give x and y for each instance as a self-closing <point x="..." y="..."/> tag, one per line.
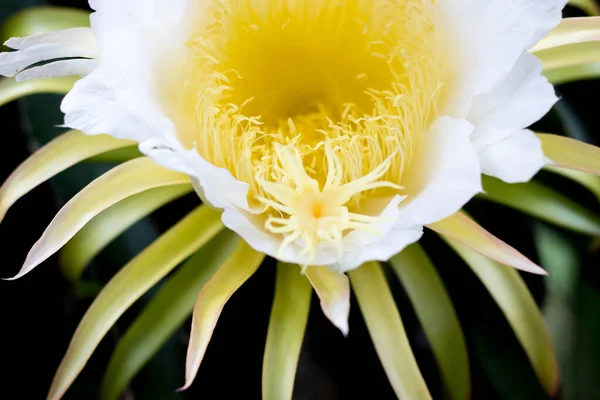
<point x="559" y="76"/>
<point x="145" y="270"/>
<point x="109" y="224"/>
<point x="167" y="311"/>
<point x="570" y="55"/>
<point x="446" y="176"/>
<point x="121" y="182"/>
<point x="569" y="153"/>
<point x="515" y="159"/>
<point x="333" y="290"/>
<point x="521" y="99"/>
<point x="472" y="27"/>
<point x="120" y="97"/>
<point x="589" y="6"/>
<point x="387" y="332"/>
<point x="11" y="90"/>
<point x="467" y="232"/>
<point x="78" y="67"/>
<point x="33" y="21"/>
<point x="569" y="31"/>
<point x="224" y="283"/>
<point x="287" y="324"/>
<point x="521" y="311"/>
<point x="61" y="153"/>
<point x="591" y="182"/>
<point x="73" y="42"/>
<point x="436" y="314"/>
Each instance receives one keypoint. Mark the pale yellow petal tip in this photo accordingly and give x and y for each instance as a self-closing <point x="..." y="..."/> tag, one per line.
<point x="184" y="387"/>
<point x="535" y="269"/>
<point x="338" y="313"/>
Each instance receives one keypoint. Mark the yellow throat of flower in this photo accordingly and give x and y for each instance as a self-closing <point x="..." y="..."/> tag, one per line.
<point x="318" y="105"/>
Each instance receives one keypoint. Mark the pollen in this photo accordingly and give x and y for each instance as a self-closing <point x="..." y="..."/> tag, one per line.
<point x="319" y="106"/>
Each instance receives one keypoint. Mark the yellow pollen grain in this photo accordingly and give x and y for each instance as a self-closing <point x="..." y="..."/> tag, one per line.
<point x="317" y="105"/>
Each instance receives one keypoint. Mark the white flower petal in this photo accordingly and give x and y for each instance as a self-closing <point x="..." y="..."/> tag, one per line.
<point x="359" y="246"/>
<point x="392" y="237"/>
<point x="486" y="39"/>
<point x="521" y="99"/>
<point x="11" y="63"/>
<point x="79" y="67"/>
<point x="515" y="159"/>
<point x="120" y="97"/>
<point x="446" y="175"/>
<point x="81" y="36"/>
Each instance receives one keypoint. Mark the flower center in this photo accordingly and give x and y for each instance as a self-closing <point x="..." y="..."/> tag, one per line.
<point x="317" y="105"/>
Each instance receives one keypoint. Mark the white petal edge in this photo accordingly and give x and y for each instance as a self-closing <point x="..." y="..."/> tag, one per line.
<point x="485" y="39"/>
<point x="448" y="175"/>
<point x="11" y="63"/>
<point x="521" y="99"/>
<point x="515" y="159"/>
<point x="57" y="69"/>
<point x="83" y="36"/>
<point x="447" y="172"/>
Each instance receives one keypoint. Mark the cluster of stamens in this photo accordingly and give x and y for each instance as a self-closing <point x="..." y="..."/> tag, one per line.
<point x="318" y="106"/>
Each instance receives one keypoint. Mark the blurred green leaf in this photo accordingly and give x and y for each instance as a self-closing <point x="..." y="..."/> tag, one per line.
<point x="10" y="90"/>
<point x="167" y="311"/>
<point x="571" y="309"/>
<point x="542" y="202"/>
<point x="289" y="316"/>
<point x="589" y="181"/>
<point x="131" y="283"/>
<point x="37" y="20"/>
<point x="562" y="75"/>
<point x="512" y="296"/>
<point x="387" y="331"/>
<point x="437" y="316"/>
<point x="117" y="156"/>
<point x="60" y="154"/>
<point x="109" y="224"/>
<point x="589" y="6"/>
<point x="125" y="180"/>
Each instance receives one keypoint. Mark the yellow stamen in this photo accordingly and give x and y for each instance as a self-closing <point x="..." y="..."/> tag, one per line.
<point x="317" y="105"/>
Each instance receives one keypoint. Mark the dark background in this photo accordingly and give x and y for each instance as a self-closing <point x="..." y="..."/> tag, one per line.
<point x="39" y="313"/>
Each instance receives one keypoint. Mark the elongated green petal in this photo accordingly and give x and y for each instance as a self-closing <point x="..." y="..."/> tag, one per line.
<point x="121" y="182"/>
<point x="591" y="182"/>
<point x="466" y="231"/>
<point x="542" y="202"/>
<point x="333" y="290"/>
<point x="570" y="31"/>
<point x="437" y="316"/>
<point x="11" y="90"/>
<point x="117" y="156"/>
<point x="387" y="331"/>
<point x="63" y="152"/>
<point x="570" y="153"/>
<point x="573" y="73"/>
<point x="37" y="20"/>
<point x="225" y="282"/>
<point x="589" y="6"/>
<point x="510" y="292"/>
<point x="167" y="311"/>
<point x="569" y="55"/>
<point x="289" y="316"/>
<point x="109" y="224"/>
<point x="139" y="275"/>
